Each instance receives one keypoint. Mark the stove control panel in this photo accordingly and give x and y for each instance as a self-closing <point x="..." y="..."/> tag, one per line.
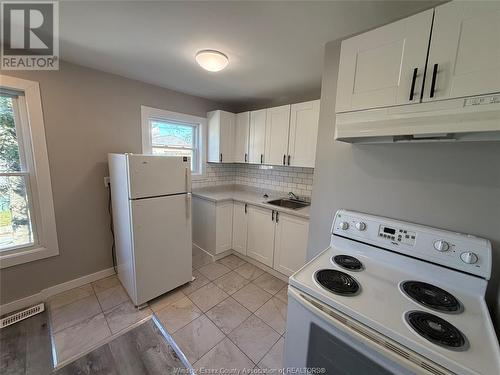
<point x="462" y="252"/>
<point x="400" y="235"/>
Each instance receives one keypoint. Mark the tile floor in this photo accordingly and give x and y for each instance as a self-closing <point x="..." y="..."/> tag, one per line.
<point x="232" y="315"/>
<point x="83" y="317"/>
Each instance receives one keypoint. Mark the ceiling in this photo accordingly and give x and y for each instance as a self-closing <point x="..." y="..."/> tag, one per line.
<point x="275" y="48"/>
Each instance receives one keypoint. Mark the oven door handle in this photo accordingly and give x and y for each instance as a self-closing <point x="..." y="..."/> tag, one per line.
<point x="385" y="346"/>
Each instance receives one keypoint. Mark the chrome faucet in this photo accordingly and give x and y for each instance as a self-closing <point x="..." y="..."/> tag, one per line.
<point x="293" y="196"/>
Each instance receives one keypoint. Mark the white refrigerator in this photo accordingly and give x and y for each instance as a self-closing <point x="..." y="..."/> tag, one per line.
<point x="151" y="199"/>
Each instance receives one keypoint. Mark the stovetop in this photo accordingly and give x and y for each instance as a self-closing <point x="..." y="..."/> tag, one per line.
<point x="382" y="303"/>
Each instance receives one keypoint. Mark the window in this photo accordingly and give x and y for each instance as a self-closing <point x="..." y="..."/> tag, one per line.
<point x="16" y="227"/>
<point x="173" y="134"/>
<point x="27" y="221"/>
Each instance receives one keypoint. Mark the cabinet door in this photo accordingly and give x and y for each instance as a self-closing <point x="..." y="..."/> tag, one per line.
<point x="220" y="136"/>
<point x="277" y="129"/>
<point x="240" y="228"/>
<point x="257" y="136"/>
<point x="290" y="244"/>
<point x="213" y="132"/>
<point x="260" y="242"/>
<point x="464" y="55"/>
<point x="223" y="227"/>
<point x="227" y="136"/>
<point x="377" y="68"/>
<point x="242" y="132"/>
<point x="304" y="118"/>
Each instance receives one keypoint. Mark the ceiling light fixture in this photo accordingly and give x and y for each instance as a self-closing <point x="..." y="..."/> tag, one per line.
<point x="211" y="60"/>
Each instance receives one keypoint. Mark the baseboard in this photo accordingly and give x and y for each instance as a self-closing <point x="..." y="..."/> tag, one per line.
<point x="21" y="303"/>
<point x="205" y="251"/>
<point x="43" y="295"/>
<point x="223" y="254"/>
<point x="75" y="283"/>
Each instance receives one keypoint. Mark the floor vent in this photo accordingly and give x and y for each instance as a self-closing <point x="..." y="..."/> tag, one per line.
<point x="21" y="315"/>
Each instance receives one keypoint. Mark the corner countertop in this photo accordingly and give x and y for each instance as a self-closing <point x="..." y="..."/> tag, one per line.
<point x="248" y="195"/>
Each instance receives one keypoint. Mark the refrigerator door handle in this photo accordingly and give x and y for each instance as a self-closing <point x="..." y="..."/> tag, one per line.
<point x="188" y="180"/>
<point x="188" y="205"/>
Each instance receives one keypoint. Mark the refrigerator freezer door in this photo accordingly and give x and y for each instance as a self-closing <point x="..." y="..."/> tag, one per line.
<point x="152" y="176"/>
<point x="162" y="244"/>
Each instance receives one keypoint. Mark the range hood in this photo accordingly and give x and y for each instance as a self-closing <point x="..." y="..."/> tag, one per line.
<point x="467" y="119"/>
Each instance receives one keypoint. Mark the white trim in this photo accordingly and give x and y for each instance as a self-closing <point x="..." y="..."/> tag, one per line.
<point x="43" y="295"/>
<point x="75" y="283"/>
<point x="41" y="186"/>
<point x="148" y="113"/>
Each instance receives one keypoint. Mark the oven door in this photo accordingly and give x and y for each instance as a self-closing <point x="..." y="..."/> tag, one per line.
<point x="327" y="341"/>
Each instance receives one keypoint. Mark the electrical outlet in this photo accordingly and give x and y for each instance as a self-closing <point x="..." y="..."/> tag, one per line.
<point x="106" y="182"/>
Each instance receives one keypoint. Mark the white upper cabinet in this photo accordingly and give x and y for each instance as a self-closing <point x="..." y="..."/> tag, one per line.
<point x="220" y="136"/>
<point x="384" y="67"/>
<point x="304" y="118"/>
<point x="257" y="142"/>
<point x="464" y="55"/>
<point x="277" y="129"/>
<point x="242" y="133"/>
<point x="290" y="243"/>
<point x="260" y="244"/>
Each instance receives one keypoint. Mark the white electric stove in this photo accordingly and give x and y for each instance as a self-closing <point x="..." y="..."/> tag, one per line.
<point x="390" y="297"/>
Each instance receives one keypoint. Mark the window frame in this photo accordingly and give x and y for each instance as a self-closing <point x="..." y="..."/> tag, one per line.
<point x="32" y="144"/>
<point x="150" y="113"/>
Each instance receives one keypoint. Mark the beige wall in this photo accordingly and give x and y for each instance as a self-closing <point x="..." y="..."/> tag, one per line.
<point x="87" y="114"/>
<point x="454" y="186"/>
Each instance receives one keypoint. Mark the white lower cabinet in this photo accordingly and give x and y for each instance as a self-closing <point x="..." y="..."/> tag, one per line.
<point x="212" y="225"/>
<point x="240" y="225"/>
<point x="260" y="243"/>
<point x="224" y="225"/>
<point x="290" y="243"/>
<point x="276" y="239"/>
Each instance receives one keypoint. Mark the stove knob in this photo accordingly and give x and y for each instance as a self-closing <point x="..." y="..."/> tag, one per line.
<point x="344" y="225"/>
<point x="441" y="245"/>
<point x="360" y="226"/>
<point x="469" y="257"/>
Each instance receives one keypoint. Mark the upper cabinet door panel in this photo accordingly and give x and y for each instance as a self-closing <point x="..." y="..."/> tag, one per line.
<point x="466" y="49"/>
<point x="257" y="142"/>
<point x="242" y="131"/>
<point x="227" y="120"/>
<point x="377" y="67"/>
<point x="277" y="127"/>
<point x="304" y="118"/>
<point x="220" y="136"/>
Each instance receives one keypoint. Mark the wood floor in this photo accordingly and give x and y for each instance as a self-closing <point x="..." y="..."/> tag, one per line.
<point x="141" y="351"/>
<point x="25" y="347"/>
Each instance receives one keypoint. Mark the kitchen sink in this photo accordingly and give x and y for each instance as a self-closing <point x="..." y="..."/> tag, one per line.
<point x="289" y="203"/>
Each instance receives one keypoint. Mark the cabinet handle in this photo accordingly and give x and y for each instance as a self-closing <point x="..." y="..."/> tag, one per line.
<point x="220" y="158"/>
<point x="272" y="215"/>
<point x="433" y="82"/>
<point x="261" y="158"/>
<point x="284" y="157"/>
<point x="246" y="157"/>
<point x="412" y="89"/>
<point x="277" y="217"/>
<point x="288" y="159"/>
<point x="246" y="208"/>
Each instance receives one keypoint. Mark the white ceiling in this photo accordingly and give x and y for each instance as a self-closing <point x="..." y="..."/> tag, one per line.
<point x="275" y="48"/>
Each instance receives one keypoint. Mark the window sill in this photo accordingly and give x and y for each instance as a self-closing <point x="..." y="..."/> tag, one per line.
<point x="26" y="255"/>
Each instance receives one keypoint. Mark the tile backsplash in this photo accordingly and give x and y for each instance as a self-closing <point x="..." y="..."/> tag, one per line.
<point x="278" y="178"/>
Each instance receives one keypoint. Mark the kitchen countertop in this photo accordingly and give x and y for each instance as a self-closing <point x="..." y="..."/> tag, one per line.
<point x="248" y="195"/>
